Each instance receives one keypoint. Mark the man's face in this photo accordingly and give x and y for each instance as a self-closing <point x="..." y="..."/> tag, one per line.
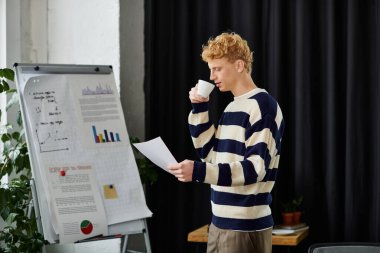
<point x="223" y="73"/>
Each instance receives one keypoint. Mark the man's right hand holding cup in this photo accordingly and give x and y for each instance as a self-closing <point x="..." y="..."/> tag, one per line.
<point x="200" y="93"/>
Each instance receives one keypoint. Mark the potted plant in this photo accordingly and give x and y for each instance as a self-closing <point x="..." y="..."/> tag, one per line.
<point x="291" y="212"/>
<point x="19" y="232"/>
<point x="297" y="210"/>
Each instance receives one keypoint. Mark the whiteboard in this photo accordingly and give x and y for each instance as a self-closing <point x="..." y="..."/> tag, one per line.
<point x="72" y="116"/>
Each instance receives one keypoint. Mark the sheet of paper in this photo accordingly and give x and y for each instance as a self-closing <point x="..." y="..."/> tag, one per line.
<point x="156" y="151"/>
<point x="78" y="207"/>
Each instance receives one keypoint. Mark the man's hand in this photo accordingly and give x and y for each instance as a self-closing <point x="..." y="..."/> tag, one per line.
<point x="183" y="170"/>
<point x="194" y="97"/>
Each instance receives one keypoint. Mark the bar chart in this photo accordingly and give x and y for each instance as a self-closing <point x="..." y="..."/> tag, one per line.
<point x="105" y="136"/>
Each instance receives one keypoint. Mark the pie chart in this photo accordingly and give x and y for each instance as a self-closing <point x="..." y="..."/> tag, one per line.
<point x="86" y="227"/>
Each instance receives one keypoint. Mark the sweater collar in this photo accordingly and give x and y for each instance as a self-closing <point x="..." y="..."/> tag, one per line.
<point x="249" y="94"/>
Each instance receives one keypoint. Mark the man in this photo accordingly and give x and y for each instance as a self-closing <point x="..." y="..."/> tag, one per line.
<point x="240" y="157"/>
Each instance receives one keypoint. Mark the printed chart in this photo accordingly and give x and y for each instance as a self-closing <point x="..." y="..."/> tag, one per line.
<point x="86" y="227"/>
<point x="105" y="136"/>
<point x="100" y="112"/>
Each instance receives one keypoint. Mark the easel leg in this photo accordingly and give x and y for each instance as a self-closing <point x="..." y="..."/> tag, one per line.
<point x="125" y="242"/>
<point x="144" y="232"/>
<point x="146" y="237"/>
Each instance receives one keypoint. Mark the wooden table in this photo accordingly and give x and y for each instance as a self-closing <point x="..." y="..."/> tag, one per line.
<point x="198" y="235"/>
<point x="290" y="240"/>
<point x="201" y="235"/>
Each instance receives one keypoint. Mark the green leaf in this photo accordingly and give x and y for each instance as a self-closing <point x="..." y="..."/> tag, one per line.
<point x="11" y="91"/>
<point x="5" y="137"/>
<point x="14" y="154"/>
<point x="15" y="135"/>
<point x="5" y="211"/>
<point x="3" y="197"/>
<point x="7" y="73"/>
<point x="11" y="218"/>
<point x="24" y="178"/>
<point x="19" y="118"/>
<point x="9" y="168"/>
<point x="12" y="101"/>
<point x="5" y="85"/>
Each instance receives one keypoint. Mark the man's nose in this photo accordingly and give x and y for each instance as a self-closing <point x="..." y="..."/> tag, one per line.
<point x="212" y="76"/>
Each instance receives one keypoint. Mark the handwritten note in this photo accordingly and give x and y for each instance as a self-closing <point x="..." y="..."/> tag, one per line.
<point x="49" y="119"/>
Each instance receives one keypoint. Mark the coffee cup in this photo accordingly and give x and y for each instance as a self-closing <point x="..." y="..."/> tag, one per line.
<point x="204" y="88"/>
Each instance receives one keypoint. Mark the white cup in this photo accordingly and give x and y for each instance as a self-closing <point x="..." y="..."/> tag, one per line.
<point x="204" y="88"/>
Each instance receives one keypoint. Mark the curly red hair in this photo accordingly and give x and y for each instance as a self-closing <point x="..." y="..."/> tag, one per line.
<point x="230" y="46"/>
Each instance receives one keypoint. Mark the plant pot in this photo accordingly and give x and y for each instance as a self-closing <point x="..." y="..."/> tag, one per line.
<point x="297" y="217"/>
<point x="287" y="218"/>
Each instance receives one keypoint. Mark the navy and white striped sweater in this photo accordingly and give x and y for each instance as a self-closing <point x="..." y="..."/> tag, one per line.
<point x="239" y="159"/>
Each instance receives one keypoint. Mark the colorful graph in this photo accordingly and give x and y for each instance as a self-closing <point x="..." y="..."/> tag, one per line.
<point x="105" y="136"/>
<point x="86" y="227"/>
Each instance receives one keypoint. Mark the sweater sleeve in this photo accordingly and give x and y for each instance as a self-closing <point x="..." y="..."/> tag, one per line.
<point x="202" y="130"/>
<point x="261" y="157"/>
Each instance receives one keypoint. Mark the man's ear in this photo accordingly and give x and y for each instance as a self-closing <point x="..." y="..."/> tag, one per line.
<point x="239" y="66"/>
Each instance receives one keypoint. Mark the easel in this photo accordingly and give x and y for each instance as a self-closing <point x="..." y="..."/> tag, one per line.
<point x="24" y="71"/>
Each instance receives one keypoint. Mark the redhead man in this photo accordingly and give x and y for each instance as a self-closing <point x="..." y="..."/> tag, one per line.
<point x="240" y="156"/>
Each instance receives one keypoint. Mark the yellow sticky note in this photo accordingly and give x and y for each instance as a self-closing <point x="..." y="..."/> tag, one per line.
<point x="110" y="191"/>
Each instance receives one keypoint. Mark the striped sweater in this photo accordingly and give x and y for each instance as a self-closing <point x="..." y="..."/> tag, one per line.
<point x="239" y="159"/>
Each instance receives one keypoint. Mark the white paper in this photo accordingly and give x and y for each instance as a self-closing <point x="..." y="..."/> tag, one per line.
<point x="156" y="151"/>
<point x="75" y="198"/>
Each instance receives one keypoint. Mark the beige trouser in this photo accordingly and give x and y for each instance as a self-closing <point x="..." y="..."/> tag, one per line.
<point x="229" y="241"/>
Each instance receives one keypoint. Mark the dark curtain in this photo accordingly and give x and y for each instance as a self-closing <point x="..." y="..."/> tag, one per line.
<point x="320" y="60"/>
